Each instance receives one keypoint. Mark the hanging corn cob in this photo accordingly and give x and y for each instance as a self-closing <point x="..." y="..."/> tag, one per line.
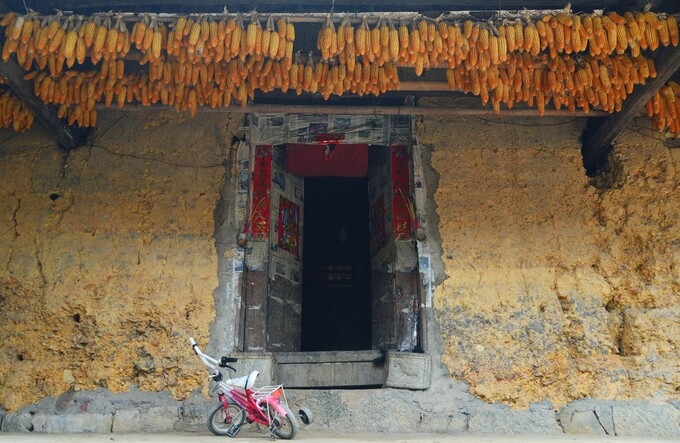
<point x="14" y="114"/>
<point x="563" y="59"/>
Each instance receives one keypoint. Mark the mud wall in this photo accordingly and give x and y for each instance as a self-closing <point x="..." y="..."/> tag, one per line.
<point x="108" y="260"/>
<point x="557" y="287"/>
<point x="550" y="286"/>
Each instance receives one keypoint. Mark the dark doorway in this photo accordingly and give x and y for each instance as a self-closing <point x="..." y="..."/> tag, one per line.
<point x="336" y="286"/>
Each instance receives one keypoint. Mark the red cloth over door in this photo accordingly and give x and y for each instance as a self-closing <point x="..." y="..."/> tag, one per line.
<point x="337" y="160"/>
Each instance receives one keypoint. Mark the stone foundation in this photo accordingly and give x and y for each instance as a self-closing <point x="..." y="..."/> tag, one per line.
<point x="453" y="411"/>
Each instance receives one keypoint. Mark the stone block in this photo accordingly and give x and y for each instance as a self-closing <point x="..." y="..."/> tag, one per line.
<point x="604" y="416"/>
<point x="263" y="362"/>
<point x="17" y="422"/>
<point x="586" y="416"/>
<point x="71" y="423"/>
<point x="154" y="419"/>
<point x="646" y="420"/>
<point x="329" y="369"/>
<point x="408" y="370"/>
<point x="581" y="422"/>
<point x="498" y="419"/>
<point x="194" y="413"/>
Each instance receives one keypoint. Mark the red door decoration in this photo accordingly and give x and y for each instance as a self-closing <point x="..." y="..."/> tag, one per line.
<point x="401" y="191"/>
<point x="289" y="226"/>
<point x="262" y="179"/>
<point x="327" y="159"/>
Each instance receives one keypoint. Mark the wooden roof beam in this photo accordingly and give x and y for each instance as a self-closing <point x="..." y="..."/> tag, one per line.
<point x="304" y="6"/>
<point x="68" y="137"/>
<point x="435" y="111"/>
<point x="598" y="140"/>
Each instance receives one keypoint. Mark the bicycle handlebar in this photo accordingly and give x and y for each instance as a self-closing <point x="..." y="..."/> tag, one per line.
<point x="209" y="361"/>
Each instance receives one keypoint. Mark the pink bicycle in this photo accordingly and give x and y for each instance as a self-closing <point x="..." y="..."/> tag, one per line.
<point x="240" y="403"/>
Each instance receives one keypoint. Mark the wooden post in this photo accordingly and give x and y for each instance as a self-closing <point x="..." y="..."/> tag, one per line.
<point x="597" y="144"/>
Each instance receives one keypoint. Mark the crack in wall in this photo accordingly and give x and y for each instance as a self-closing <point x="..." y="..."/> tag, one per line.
<point x="600" y="423"/>
<point x="39" y="264"/>
<point x="15" y="225"/>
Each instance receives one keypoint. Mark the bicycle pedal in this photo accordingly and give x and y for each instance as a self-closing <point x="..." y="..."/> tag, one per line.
<point x="233" y="431"/>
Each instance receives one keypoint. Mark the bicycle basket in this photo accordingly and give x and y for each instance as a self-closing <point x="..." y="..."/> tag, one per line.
<point x="271" y="391"/>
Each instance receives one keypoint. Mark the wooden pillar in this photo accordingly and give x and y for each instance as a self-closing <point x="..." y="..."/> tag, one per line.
<point x="255" y="321"/>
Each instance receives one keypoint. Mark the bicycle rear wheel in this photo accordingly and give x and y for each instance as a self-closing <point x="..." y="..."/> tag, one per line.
<point x="220" y="420"/>
<point x="285" y="427"/>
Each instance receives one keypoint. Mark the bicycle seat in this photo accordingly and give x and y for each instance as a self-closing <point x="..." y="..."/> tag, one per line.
<point x="247" y="381"/>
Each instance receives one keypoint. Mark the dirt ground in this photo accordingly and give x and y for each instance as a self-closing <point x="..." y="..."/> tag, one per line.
<point x="325" y="438"/>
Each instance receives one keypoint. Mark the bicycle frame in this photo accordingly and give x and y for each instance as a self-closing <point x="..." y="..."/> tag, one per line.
<point x="252" y="405"/>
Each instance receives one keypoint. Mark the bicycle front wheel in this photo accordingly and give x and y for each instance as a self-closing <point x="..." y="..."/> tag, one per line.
<point x="221" y="419"/>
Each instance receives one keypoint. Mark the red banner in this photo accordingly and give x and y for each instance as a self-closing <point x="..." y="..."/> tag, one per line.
<point x="401" y="194"/>
<point x="262" y="179"/>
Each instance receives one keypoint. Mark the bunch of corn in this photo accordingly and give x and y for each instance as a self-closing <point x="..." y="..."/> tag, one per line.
<point x="149" y="37"/>
<point x="110" y="40"/>
<point x="330" y="78"/>
<point x="56" y="41"/>
<point x="587" y="83"/>
<point x="77" y="92"/>
<point x="436" y="43"/>
<point x="187" y="86"/>
<point x="13" y="113"/>
<point x="664" y="108"/>
<point x="606" y="34"/>
<point x="205" y="39"/>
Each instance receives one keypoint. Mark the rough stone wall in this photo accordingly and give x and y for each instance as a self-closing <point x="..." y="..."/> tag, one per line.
<point x="108" y="261"/>
<point x="558" y="287"/>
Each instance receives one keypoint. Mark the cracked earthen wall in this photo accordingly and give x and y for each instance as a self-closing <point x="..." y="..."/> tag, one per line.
<point x="557" y="287"/>
<point x="108" y="260"/>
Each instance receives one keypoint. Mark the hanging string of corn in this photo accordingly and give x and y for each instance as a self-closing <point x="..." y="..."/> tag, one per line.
<point x="13" y="112"/>
<point x="577" y="61"/>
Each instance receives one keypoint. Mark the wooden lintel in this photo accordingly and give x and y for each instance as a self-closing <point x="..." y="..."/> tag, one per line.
<point x="597" y="144"/>
<point x="435" y="111"/>
<point x="309" y="6"/>
<point x="68" y="137"/>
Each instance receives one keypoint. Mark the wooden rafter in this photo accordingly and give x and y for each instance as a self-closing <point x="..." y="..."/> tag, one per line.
<point x="598" y="143"/>
<point x="67" y="137"/>
<point x="435" y="111"/>
<point x="305" y="6"/>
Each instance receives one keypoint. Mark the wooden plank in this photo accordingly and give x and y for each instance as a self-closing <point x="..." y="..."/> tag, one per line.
<point x="67" y="137"/>
<point x="326" y="357"/>
<point x="598" y="142"/>
<point x="436" y="111"/>
<point x="255" y="325"/>
<point x="304" y="6"/>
